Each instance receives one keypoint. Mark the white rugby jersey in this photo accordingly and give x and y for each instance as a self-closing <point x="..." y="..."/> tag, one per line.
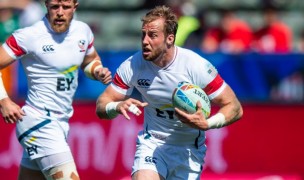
<point x="52" y="69"/>
<point x="156" y="86"/>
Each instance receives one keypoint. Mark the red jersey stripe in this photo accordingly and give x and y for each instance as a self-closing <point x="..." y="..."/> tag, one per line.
<point x="12" y="43"/>
<point x="214" y="85"/>
<point x="118" y="82"/>
<point x="91" y="44"/>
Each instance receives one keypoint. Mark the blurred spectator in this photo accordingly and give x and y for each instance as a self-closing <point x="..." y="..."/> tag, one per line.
<point x="187" y="22"/>
<point x="300" y="45"/>
<point x="9" y="22"/>
<point x="290" y="88"/>
<point x="15" y="14"/>
<point x="148" y="4"/>
<point x="275" y="36"/>
<point x="195" y="38"/>
<point x="29" y="11"/>
<point x="232" y="35"/>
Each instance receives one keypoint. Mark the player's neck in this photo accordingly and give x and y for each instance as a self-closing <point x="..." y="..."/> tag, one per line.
<point x="166" y="58"/>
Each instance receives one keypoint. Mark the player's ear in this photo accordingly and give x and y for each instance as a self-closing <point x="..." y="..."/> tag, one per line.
<point x="170" y="40"/>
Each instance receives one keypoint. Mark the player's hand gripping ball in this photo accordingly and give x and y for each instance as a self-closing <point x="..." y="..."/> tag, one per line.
<point x="186" y="95"/>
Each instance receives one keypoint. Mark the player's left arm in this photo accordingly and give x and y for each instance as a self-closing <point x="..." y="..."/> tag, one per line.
<point x="93" y="68"/>
<point x="111" y="103"/>
<point x="11" y="112"/>
<point x="230" y="109"/>
<point x="229" y="112"/>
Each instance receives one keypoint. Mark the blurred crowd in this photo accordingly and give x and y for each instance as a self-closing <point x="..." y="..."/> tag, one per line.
<point x="234" y="35"/>
<point x="230" y="34"/>
<point x="15" y="14"/>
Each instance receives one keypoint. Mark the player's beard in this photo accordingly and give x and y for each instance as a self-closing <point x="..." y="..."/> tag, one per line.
<point x="155" y="54"/>
<point x="60" y="28"/>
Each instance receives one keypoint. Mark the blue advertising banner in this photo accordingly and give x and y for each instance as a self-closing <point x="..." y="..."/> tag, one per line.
<point x="254" y="77"/>
<point x="260" y="78"/>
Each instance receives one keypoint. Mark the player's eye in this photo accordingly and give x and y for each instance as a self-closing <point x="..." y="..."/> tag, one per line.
<point x="152" y="35"/>
<point x="54" y="7"/>
<point x="143" y="34"/>
<point x="67" y="7"/>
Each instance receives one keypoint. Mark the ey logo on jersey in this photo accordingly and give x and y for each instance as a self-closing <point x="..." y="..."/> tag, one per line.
<point x="48" y="48"/>
<point x="65" y="83"/>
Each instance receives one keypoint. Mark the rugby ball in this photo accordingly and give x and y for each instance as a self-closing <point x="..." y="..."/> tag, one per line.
<point x="186" y="95"/>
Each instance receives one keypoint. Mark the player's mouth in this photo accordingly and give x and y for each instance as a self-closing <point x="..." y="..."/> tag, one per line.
<point x="146" y="51"/>
<point x="59" y="21"/>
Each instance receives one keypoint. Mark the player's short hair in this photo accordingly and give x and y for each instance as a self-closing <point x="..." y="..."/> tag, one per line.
<point x="165" y="12"/>
<point x="75" y="1"/>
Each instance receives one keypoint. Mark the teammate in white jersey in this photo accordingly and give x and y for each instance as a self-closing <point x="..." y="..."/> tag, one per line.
<point x="57" y="46"/>
<point x="172" y="142"/>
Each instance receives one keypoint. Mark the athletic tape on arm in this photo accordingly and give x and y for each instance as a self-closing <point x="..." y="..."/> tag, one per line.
<point x="111" y="109"/>
<point x="216" y="121"/>
<point x="91" y="67"/>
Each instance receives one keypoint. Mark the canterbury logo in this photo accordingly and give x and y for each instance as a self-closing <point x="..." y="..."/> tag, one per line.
<point x="143" y="82"/>
<point x="150" y="159"/>
<point x="48" y="48"/>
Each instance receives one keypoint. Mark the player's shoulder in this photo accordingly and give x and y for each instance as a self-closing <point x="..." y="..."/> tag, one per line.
<point x="79" y="25"/>
<point x="135" y="60"/>
<point x="31" y="32"/>
<point x="184" y="52"/>
<point x="190" y="55"/>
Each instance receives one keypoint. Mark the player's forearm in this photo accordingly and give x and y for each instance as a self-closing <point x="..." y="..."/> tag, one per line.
<point x="230" y="109"/>
<point x="232" y="112"/>
<point x="106" y="109"/>
<point x="100" y="109"/>
<point x="91" y="68"/>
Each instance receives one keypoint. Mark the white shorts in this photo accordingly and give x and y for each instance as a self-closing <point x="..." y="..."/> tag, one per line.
<point x="47" y="162"/>
<point x="170" y="161"/>
<point x="40" y="133"/>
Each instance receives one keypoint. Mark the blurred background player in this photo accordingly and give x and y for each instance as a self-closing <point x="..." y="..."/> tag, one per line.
<point x="231" y="35"/>
<point x="28" y="11"/>
<point x="9" y="22"/>
<point x="16" y="14"/>
<point x="274" y="36"/>
<point x="170" y="146"/>
<point x="58" y="46"/>
<point x="195" y="38"/>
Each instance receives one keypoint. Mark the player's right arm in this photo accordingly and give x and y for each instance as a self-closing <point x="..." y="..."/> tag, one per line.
<point x="5" y="58"/>
<point x="111" y="103"/>
<point x="93" y="68"/>
<point x="10" y="111"/>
